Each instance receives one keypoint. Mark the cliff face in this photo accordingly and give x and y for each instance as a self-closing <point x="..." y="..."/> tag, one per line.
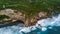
<point x="15" y="15"/>
<point x="33" y="20"/>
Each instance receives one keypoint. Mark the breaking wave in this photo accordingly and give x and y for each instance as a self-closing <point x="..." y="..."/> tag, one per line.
<point x="44" y="26"/>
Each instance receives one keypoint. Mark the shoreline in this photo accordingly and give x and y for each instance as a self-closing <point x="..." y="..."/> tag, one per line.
<point x="19" y="15"/>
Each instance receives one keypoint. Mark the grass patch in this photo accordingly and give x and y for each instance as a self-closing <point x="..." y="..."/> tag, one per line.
<point x="32" y="6"/>
<point x="3" y="16"/>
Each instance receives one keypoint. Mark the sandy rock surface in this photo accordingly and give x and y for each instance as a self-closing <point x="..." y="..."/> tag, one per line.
<point x="18" y="15"/>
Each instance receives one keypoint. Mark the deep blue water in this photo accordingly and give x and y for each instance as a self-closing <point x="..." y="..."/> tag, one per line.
<point x="54" y="30"/>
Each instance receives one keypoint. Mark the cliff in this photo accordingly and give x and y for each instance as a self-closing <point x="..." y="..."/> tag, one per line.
<point x="16" y="15"/>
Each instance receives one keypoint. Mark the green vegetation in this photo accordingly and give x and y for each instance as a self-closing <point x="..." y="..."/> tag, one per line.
<point x="32" y="6"/>
<point x="3" y="16"/>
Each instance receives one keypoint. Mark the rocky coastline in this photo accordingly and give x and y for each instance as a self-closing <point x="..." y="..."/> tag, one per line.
<point x="16" y="17"/>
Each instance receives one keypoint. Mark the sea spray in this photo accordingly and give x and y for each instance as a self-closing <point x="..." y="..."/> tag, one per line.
<point x="40" y="26"/>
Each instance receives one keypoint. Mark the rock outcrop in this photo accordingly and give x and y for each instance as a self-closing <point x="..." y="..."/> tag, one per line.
<point x="16" y="15"/>
<point x="13" y="14"/>
<point x="33" y="20"/>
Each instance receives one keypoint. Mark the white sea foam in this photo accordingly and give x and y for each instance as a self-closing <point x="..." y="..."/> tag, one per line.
<point x="44" y="29"/>
<point x="54" y="21"/>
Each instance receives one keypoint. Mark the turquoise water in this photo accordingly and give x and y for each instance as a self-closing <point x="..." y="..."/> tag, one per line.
<point x="54" y="30"/>
<point x="47" y="26"/>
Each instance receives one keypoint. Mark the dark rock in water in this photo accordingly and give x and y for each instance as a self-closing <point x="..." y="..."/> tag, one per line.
<point x="17" y="22"/>
<point x="12" y="23"/>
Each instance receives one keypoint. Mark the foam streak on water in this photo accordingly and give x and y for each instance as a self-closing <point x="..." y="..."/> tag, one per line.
<point x="54" y="21"/>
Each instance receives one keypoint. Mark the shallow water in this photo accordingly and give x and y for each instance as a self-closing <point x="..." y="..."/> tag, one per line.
<point x="47" y="26"/>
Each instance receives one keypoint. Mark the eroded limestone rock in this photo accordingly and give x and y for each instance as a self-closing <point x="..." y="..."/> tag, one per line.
<point x="14" y="15"/>
<point x="33" y="20"/>
<point x="19" y="15"/>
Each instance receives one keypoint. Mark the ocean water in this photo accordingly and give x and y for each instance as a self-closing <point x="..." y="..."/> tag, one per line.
<point x="44" y="26"/>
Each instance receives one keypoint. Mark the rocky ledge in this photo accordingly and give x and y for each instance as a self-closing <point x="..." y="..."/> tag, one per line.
<point x="19" y="15"/>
